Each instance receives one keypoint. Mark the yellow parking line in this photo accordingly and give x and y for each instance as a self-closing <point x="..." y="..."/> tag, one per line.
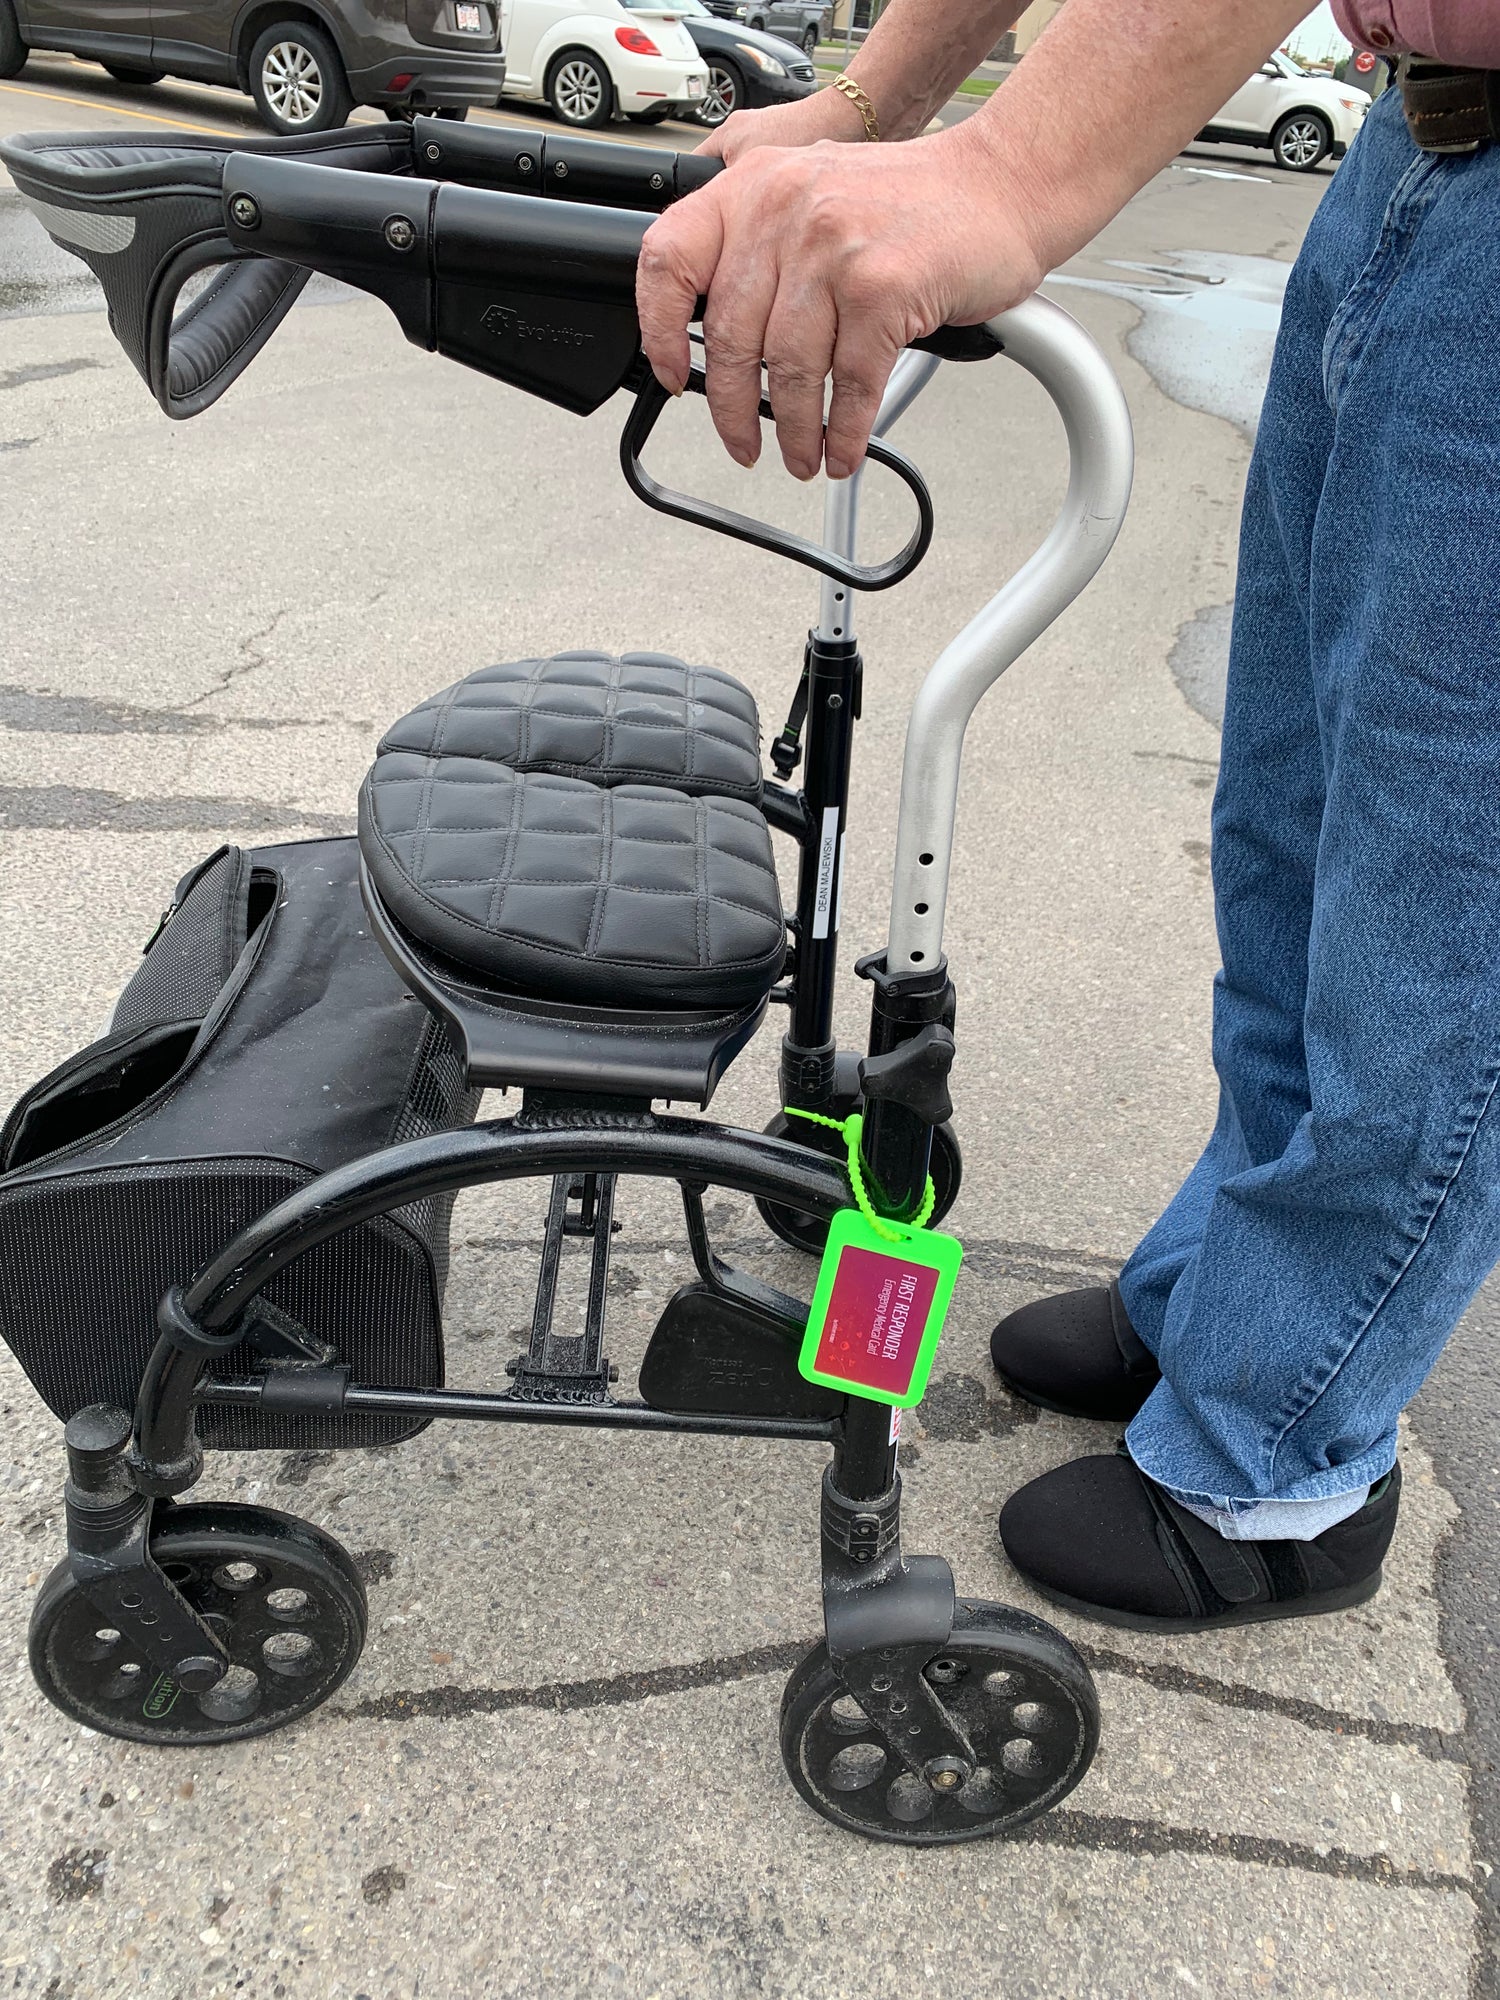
<point x="117" y="110"/>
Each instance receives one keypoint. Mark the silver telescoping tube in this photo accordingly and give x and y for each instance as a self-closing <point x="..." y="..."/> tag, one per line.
<point x="1051" y="345"/>
<point x="910" y="376"/>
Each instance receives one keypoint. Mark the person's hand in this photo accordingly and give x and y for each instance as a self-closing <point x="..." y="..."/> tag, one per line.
<point x="825" y="114"/>
<point x="828" y="259"/>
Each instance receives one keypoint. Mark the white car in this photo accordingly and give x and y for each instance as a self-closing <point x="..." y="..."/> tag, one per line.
<point x="589" y="59"/>
<point x="1301" y="117"/>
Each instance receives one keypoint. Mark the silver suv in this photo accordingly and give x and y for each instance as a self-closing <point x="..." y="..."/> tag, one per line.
<point x="801" y="21"/>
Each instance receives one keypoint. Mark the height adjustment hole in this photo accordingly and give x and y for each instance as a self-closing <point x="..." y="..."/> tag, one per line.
<point x="925" y="860"/>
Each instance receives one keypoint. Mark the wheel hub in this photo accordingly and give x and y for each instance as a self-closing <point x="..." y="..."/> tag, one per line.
<point x="292" y="81"/>
<point x="283" y="1598"/>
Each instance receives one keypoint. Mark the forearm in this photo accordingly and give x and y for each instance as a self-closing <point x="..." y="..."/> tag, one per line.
<point x="919" y="51"/>
<point x="1111" y="92"/>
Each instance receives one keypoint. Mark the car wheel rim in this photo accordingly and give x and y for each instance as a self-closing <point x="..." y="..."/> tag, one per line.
<point x="579" y="91"/>
<point x="1301" y="144"/>
<point x="293" y="82"/>
<point x="720" y="98"/>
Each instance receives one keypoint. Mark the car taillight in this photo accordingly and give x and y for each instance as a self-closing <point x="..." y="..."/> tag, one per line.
<point x="638" y="43"/>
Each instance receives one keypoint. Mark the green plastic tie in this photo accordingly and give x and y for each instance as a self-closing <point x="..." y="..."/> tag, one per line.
<point x="852" y="1127"/>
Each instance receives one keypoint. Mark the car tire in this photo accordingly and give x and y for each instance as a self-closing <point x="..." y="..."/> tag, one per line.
<point x="1301" y="141"/>
<point x="297" y="79"/>
<point x="122" y="73"/>
<point x="758" y="25"/>
<point x="13" y="51"/>
<point x="725" y="94"/>
<point x="810" y="41"/>
<point x="580" y="90"/>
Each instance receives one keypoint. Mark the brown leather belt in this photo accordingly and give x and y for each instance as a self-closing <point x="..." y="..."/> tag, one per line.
<point x="1449" y="110"/>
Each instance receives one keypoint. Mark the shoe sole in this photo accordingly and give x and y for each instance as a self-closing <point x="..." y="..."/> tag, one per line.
<point x="1254" y="1614"/>
<point x="1067" y="1409"/>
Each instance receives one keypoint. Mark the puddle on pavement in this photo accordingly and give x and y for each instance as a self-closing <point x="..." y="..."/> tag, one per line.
<point x="1208" y="326"/>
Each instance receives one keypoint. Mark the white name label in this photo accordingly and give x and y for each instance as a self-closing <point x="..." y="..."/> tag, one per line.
<point x="823" y="907"/>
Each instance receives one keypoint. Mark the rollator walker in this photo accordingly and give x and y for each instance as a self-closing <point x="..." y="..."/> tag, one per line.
<point x="568" y="862"/>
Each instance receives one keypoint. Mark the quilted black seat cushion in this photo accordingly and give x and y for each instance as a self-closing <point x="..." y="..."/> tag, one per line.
<point x="623" y="895"/>
<point x="616" y="719"/>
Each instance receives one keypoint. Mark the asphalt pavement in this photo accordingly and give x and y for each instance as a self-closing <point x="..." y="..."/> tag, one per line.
<point x="555" y="1770"/>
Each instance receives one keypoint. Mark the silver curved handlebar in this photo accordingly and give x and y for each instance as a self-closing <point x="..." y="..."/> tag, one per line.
<point x="1051" y="345"/>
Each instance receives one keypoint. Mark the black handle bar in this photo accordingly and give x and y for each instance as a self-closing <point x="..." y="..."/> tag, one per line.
<point x="440" y="221"/>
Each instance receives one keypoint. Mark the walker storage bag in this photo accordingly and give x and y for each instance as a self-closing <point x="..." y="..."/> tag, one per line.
<point x="263" y="1040"/>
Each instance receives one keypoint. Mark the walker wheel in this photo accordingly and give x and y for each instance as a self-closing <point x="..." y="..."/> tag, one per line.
<point x="809" y="1232"/>
<point x="1020" y="1691"/>
<point x="285" y="1599"/>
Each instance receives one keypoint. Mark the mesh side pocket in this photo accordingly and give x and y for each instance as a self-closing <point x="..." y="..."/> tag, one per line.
<point x="196" y="949"/>
<point x="437" y="1100"/>
<point x="84" y="1259"/>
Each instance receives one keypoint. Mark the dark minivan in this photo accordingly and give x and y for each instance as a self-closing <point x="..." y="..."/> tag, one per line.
<point x="306" y="63"/>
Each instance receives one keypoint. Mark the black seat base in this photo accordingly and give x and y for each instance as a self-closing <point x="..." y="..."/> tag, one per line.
<point x="507" y="1039"/>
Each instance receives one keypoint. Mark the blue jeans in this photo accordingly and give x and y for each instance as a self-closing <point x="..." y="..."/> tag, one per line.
<point x="1303" y="1280"/>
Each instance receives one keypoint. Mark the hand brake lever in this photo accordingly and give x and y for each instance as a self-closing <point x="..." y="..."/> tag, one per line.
<point x="651" y="399"/>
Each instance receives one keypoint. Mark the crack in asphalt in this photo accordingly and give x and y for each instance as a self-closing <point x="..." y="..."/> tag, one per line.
<point x="43" y="371"/>
<point x="1059" y="1828"/>
<point x="1437" y="1744"/>
<point x="249" y="664"/>
<point x="46" y="714"/>
<point x="984" y="1256"/>
<point x="83" y="808"/>
<point x="444" y="1704"/>
<point x="1093" y="1831"/>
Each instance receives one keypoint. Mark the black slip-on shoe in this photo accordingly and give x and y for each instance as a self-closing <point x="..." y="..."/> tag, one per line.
<point x="1102" y="1539"/>
<point x="1076" y="1353"/>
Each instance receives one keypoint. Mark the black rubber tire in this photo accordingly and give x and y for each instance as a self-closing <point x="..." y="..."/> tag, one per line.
<point x="122" y="73"/>
<point x="336" y="100"/>
<point x="403" y="114"/>
<point x="657" y="116"/>
<point x="604" y="109"/>
<point x="1026" y="1700"/>
<point x="805" y="1231"/>
<point x="13" y="51"/>
<point x="1281" y="136"/>
<point x="285" y="1659"/>
<point x="810" y="41"/>
<point x="729" y="80"/>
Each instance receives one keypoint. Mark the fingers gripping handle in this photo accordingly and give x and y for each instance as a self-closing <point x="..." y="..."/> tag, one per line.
<point x="538" y="293"/>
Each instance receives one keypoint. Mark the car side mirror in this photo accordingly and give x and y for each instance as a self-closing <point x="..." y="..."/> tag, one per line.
<point x="1270" y="69"/>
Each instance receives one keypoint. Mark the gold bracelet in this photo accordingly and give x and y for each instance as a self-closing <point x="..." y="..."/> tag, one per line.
<point x="859" y="98"/>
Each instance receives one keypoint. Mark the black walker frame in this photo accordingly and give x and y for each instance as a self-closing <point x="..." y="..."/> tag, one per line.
<point x="973" y="1717"/>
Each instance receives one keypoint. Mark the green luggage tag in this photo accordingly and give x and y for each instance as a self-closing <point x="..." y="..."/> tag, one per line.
<point x="882" y="1294"/>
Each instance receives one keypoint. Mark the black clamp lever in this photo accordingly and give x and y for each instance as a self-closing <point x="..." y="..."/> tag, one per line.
<point x="914" y="1074"/>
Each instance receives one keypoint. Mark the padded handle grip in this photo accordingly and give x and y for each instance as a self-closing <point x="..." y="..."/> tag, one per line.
<point x="145" y="216"/>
